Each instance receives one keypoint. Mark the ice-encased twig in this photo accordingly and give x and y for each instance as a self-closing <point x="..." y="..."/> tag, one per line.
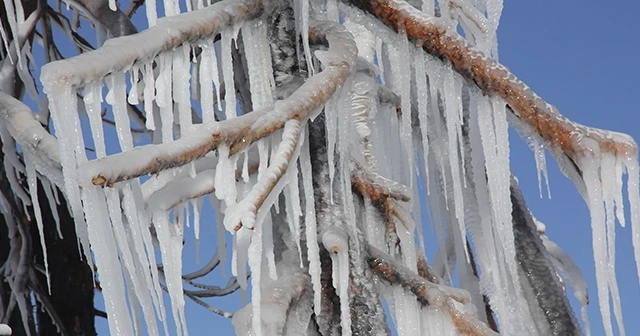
<point x="427" y="293"/>
<point x="240" y="132"/>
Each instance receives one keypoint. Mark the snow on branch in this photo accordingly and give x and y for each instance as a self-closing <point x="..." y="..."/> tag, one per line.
<point x="171" y="32"/>
<point x="428" y="293"/>
<point x="339" y="61"/>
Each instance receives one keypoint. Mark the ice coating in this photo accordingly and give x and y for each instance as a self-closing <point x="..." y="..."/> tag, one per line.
<point x="336" y="242"/>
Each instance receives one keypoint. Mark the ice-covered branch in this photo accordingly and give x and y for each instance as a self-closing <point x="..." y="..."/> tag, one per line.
<point x="377" y="187"/>
<point x="27" y="131"/>
<point x="120" y="53"/>
<point x="427" y="293"/>
<point x="245" y="211"/>
<point x="494" y="79"/>
<point x="240" y="132"/>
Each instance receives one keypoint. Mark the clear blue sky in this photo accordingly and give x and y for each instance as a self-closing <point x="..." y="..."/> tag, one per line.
<point x="580" y="56"/>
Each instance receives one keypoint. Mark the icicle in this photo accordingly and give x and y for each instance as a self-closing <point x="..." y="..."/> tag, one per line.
<point x="49" y="190"/>
<point x="541" y="166"/>
<point x="255" y="39"/>
<point x="453" y="116"/>
<point x="402" y="83"/>
<point x="63" y="107"/>
<point x="220" y="234"/>
<point x="242" y="240"/>
<point x="103" y="245"/>
<point x="227" y="36"/>
<point x="610" y="191"/>
<point x="134" y="77"/>
<point x="423" y="104"/>
<point x="482" y="160"/>
<point x="494" y="10"/>
<point x="589" y="168"/>
<point x="331" y="120"/>
<point x="149" y="94"/>
<point x="436" y="322"/>
<point x="197" y="206"/>
<point x="293" y="208"/>
<point x="170" y="239"/>
<point x="304" y="19"/>
<point x="14" y="24"/>
<point x="255" y="262"/>
<point x="164" y="97"/>
<point x="336" y="242"/>
<point x="311" y="233"/>
<point x="117" y="99"/>
<point x="32" y="181"/>
<point x="633" y="187"/>
<point x="140" y="290"/>
<point x="226" y="177"/>
<point x="206" y="72"/>
<point x="181" y="80"/>
<point x="267" y="236"/>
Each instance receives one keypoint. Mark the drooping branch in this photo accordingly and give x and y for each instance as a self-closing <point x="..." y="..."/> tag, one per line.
<point x="242" y="131"/>
<point x="495" y="80"/>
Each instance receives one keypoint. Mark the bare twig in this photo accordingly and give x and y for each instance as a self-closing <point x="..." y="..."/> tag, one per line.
<point x="133" y="7"/>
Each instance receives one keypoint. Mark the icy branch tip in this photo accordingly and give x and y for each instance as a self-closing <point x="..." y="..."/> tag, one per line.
<point x="335" y="240"/>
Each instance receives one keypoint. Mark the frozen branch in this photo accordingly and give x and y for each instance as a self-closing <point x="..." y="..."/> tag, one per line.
<point x="238" y="132"/>
<point x="27" y="131"/>
<point x="377" y="187"/>
<point x="120" y="53"/>
<point x="428" y="293"/>
<point x="495" y="80"/>
<point x="244" y="213"/>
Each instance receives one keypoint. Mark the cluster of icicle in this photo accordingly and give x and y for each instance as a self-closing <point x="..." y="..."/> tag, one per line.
<point x="467" y="178"/>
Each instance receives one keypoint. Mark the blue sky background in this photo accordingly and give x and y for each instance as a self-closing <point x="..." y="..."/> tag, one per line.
<point x="580" y="56"/>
